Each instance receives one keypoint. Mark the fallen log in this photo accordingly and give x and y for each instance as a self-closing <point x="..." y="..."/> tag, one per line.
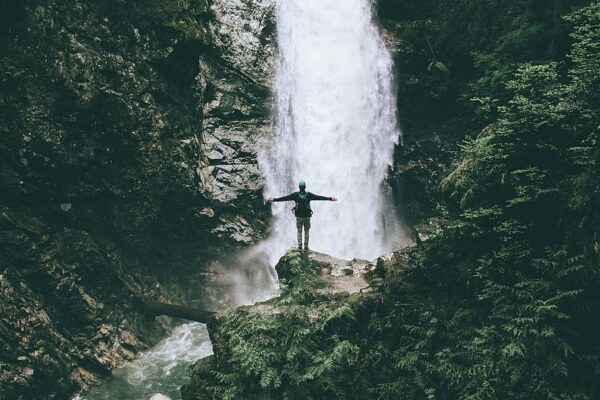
<point x="193" y="314"/>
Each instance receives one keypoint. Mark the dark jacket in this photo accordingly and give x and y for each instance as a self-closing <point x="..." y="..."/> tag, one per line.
<point x="302" y="199"/>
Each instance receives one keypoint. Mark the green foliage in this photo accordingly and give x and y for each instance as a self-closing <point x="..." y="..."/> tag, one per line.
<point x="525" y="315"/>
<point x="293" y="347"/>
<point x="516" y="32"/>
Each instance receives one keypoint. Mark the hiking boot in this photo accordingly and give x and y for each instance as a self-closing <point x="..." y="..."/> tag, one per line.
<point x="299" y="247"/>
<point x="306" y="248"/>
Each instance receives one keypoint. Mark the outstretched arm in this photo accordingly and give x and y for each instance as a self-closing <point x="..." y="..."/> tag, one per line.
<point x="289" y="197"/>
<point x="317" y="197"/>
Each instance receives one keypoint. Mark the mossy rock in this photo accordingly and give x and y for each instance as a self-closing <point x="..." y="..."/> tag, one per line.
<point x="287" y="346"/>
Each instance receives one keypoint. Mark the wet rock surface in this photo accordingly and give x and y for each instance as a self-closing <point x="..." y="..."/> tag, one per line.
<point x="234" y="82"/>
<point x="341" y="276"/>
<point x="432" y="111"/>
<point x="128" y="145"/>
<point x="68" y="308"/>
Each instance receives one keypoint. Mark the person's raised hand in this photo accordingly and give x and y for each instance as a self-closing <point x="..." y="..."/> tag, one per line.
<point x="333" y="198"/>
<point x="269" y="200"/>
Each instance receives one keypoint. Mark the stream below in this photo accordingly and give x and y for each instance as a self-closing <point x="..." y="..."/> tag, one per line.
<point x="158" y="373"/>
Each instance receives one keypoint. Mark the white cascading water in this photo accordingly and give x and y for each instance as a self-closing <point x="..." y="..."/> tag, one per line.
<point x="335" y="128"/>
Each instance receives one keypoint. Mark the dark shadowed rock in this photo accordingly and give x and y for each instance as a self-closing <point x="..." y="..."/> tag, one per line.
<point x="128" y="145"/>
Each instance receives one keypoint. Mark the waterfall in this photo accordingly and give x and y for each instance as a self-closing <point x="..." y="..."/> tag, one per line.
<point x="335" y="128"/>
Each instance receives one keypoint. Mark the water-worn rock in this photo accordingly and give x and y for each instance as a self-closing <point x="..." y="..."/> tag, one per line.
<point x="66" y="307"/>
<point x="340" y="276"/>
<point x="244" y="31"/>
<point x="235" y="88"/>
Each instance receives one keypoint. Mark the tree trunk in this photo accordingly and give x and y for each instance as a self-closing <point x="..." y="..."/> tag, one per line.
<point x="171" y="310"/>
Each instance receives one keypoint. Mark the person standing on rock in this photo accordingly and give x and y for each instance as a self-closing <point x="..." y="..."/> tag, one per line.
<point x="302" y="210"/>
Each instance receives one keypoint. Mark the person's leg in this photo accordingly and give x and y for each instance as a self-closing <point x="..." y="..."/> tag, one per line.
<point x="306" y="235"/>
<point x="299" y="227"/>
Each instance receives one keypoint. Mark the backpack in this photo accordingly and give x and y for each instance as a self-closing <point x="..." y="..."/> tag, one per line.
<point x="302" y="208"/>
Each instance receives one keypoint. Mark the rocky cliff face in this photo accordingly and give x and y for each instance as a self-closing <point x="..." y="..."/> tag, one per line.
<point x="432" y="73"/>
<point x="128" y="142"/>
<point x="235" y="85"/>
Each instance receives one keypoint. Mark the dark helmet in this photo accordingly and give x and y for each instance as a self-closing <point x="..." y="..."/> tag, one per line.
<point x="302" y="185"/>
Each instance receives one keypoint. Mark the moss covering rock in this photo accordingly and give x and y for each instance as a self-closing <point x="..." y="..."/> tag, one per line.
<point x="295" y="346"/>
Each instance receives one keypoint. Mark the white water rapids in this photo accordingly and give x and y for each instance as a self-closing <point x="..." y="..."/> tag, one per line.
<point x="158" y="373"/>
<point x="335" y="128"/>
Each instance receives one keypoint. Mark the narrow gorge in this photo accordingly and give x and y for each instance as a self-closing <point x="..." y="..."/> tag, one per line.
<point x="138" y="143"/>
<point x="323" y="111"/>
